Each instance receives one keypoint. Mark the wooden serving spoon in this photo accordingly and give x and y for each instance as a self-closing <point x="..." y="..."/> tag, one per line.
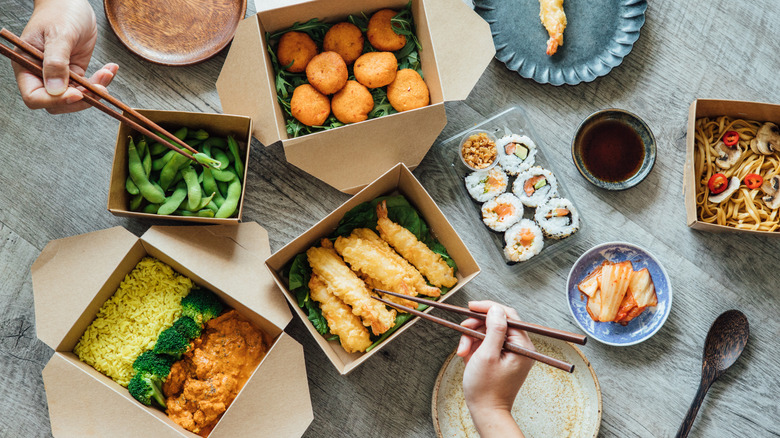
<point x="725" y="341"/>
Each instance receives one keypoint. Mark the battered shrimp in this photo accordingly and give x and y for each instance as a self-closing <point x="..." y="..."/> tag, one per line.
<point x="376" y="284"/>
<point x="554" y="20"/>
<point x="417" y="253"/>
<point x="341" y="321"/>
<point x="346" y="285"/>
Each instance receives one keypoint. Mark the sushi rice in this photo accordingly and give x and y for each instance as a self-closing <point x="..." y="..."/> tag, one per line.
<point x="484" y="185"/>
<point x="544" y="188"/>
<point x="516" y="153"/>
<point x="523" y="241"/>
<point x="502" y="212"/>
<point x="557" y="218"/>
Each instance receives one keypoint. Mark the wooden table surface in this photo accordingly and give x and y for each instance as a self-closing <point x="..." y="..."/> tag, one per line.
<point x="54" y="183"/>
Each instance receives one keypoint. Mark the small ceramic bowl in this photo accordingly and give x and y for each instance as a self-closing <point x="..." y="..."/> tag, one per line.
<point x="477" y="132"/>
<point x="640" y="328"/>
<point x="635" y="124"/>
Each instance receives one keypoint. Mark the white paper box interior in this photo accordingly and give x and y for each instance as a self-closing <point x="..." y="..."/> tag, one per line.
<point x="763" y="112"/>
<point x="74" y="276"/>
<point x="398" y="180"/>
<point x="456" y="44"/>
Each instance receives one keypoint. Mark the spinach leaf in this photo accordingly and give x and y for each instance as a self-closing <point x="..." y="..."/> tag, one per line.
<point x="298" y="273"/>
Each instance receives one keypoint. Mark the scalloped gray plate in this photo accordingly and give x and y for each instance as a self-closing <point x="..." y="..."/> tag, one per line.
<point x="597" y="38"/>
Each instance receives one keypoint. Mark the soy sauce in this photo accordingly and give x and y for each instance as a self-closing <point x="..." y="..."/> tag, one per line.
<point x="612" y="151"/>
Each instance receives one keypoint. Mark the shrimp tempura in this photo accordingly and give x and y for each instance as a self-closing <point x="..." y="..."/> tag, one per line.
<point x="554" y="20"/>
<point x="341" y="321"/>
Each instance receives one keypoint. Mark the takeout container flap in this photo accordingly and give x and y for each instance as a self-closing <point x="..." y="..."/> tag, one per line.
<point x="453" y="58"/>
<point x="398" y="180"/>
<point x="763" y="112"/>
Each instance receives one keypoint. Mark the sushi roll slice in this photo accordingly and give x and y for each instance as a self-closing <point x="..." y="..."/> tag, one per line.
<point x="535" y="186"/>
<point x="502" y="212"/>
<point x="485" y="185"/>
<point x="558" y="218"/>
<point x="523" y="241"/>
<point x="516" y="153"/>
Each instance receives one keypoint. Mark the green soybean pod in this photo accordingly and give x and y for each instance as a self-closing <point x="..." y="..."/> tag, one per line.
<point x="135" y="202"/>
<point x="212" y="206"/>
<point x="171" y="168"/>
<point x="172" y="202"/>
<point x="140" y="146"/>
<point x="147" y="161"/>
<point x="239" y="165"/>
<point x="158" y="148"/>
<point x="224" y="158"/>
<point x="152" y="193"/>
<point x="200" y="213"/>
<point x="215" y="142"/>
<point x="228" y="207"/>
<point x="194" y="194"/>
<point x="151" y="208"/>
<point x="159" y="163"/>
<point x="204" y="202"/>
<point x="181" y="133"/>
<point x="210" y="186"/>
<point x="223" y="186"/>
<point x="131" y="187"/>
<point x="223" y="175"/>
<point x="200" y="134"/>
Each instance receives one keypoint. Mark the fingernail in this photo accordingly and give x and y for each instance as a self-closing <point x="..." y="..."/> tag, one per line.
<point x="72" y="99"/>
<point x="55" y="86"/>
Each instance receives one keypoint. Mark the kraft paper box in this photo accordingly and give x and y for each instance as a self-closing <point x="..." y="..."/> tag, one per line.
<point x="398" y="180"/>
<point x="222" y="125"/>
<point x="74" y="276"/>
<point x="456" y="44"/>
<point x="762" y="112"/>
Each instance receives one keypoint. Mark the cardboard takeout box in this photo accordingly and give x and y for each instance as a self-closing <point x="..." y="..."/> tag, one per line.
<point x="456" y="44"/>
<point x="398" y="180"/>
<point x="762" y="112"/>
<point x="240" y="127"/>
<point x="73" y="277"/>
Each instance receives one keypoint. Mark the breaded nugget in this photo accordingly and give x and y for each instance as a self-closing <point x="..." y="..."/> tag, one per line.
<point x="327" y="72"/>
<point x="309" y="106"/>
<point x="376" y="69"/>
<point x="408" y="91"/>
<point x="380" y="32"/>
<point x="295" y="47"/>
<point x="352" y="103"/>
<point x="346" y="39"/>
<point x="341" y="321"/>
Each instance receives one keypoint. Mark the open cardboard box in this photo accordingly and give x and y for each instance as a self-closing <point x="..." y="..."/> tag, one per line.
<point x="74" y="276"/>
<point x="456" y="44"/>
<point x="763" y="112"/>
<point x="240" y="127"/>
<point x="398" y="180"/>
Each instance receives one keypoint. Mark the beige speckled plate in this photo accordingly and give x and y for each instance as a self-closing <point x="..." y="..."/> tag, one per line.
<point x="551" y="403"/>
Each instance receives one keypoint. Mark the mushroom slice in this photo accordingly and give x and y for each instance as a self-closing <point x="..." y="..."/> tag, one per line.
<point x="722" y="196"/>
<point x="767" y="139"/>
<point x="771" y="187"/>
<point x="728" y="156"/>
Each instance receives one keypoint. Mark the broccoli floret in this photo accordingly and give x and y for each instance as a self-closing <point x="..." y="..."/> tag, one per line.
<point x="172" y="343"/>
<point x="144" y="387"/>
<point x="187" y="327"/>
<point x="201" y="305"/>
<point x="158" y="365"/>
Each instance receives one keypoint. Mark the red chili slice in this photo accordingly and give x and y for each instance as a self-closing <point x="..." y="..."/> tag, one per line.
<point x="731" y="138"/>
<point x="717" y="183"/>
<point x="753" y="180"/>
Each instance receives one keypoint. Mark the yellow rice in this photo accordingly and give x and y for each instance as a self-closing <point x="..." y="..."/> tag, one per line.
<point x="147" y="302"/>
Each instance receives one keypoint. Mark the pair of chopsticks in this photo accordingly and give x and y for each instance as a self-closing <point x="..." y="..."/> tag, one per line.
<point x="533" y="328"/>
<point x="36" y="69"/>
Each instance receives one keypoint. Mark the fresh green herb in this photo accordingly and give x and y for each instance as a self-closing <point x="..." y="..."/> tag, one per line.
<point x="315" y="28"/>
<point x="361" y="21"/>
<point x="382" y="106"/>
<point x="298" y="274"/>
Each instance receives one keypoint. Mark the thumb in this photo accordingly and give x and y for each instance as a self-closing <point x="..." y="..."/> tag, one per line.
<point x="56" y="65"/>
<point x="495" y="329"/>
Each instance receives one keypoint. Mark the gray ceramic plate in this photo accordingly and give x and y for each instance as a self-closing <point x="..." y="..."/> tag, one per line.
<point x="598" y="36"/>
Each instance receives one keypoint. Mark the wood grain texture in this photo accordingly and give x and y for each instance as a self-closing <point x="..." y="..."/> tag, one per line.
<point x="54" y="183"/>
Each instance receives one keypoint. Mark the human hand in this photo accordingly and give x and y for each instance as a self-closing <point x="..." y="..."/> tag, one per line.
<point x="493" y="377"/>
<point x="65" y="31"/>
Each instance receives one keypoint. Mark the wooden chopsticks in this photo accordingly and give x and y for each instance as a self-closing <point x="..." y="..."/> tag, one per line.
<point x="565" y="366"/>
<point x="37" y="70"/>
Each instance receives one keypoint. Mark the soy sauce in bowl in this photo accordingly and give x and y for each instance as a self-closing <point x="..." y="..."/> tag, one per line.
<point x="612" y="151"/>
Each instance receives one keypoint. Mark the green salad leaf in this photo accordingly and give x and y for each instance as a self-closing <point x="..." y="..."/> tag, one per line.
<point x="298" y="274"/>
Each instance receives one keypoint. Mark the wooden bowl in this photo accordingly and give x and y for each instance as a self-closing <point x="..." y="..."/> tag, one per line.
<point x="175" y="32"/>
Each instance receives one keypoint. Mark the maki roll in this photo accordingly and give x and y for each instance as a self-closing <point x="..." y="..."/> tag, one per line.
<point x="558" y="218"/>
<point x="523" y="241"/>
<point x="535" y="186"/>
<point x="485" y="185"/>
<point x="516" y="153"/>
<point x="502" y="212"/>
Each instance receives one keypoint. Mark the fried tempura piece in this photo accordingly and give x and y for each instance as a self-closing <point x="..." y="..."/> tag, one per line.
<point x="341" y="321"/>
<point x="554" y="20"/>
<point x="346" y="285"/>
<point x="376" y="284"/>
<point x="417" y="253"/>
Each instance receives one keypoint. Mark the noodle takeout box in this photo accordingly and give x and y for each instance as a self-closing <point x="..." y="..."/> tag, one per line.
<point x="763" y="112"/>
<point x="456" y="44"/>
<point x="74" y="276"/>
<point x="398" y="180"/>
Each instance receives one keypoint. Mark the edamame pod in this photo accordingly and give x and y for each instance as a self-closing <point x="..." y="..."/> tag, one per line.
<point x="224" y="158"/>
<point x="181" y="134"/>
<point x="168" y="172"/>
<point x="210" y="186"/>
<point x="228" y="207"/>
<point x="214" y="142"/>
<point x="135" y="202"/>
<point x="172" y="202"/>
<point x="131" y="187"/>
<point x="201" y="213"/>
<point x="159" y="148"/>
<point x="237" y="162"/>
<point x="223" y="175"/>
<point x="151" y="208"/>
<point x="159" y="163"/>
<point x="147" y="159"/>
<point x="153" y="194"/>
<point x="200" y="134"/>
<point x="203" y="203"/>
<point x="194" y="194"/>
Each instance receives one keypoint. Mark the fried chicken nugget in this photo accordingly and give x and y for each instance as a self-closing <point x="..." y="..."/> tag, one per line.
<point x="346" y="285"/>
<point x="327" y="72"/>
<point x="346" y="39"/>
<point x="430" y="264"/>
<point x="297" y="48"/>
<point x="408" y="91"/>
<point x="309" y="106"/>
<point x="376" y="69"/>
<point x="352" y="103"/>
<point x="380" y="32"/>
<point x="341" y="321"/>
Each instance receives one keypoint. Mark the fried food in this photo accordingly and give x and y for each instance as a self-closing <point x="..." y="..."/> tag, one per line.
<point x="380" y="32"/>
<point x="417" y="253"/>
<point x="352" y="103"/>
<point x="408" y="91"/>
<point x="309" y="106"/>
<point x="376" y="69"/>
<point x="327" y="72"/>
<point x="346" y="39"/>
<point x="341" y="321"/>
<point x="346" y="285"/>
<point x="554" y="20"/>
<point x="297" y="48"/>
